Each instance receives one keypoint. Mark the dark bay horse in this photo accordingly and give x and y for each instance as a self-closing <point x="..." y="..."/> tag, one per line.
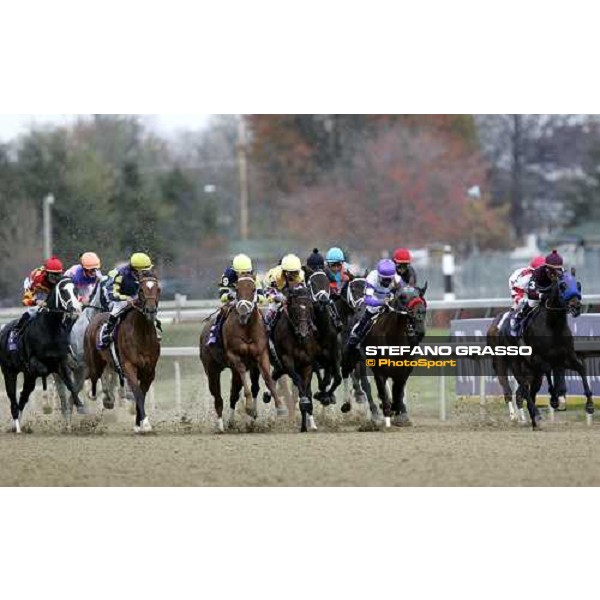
<point x="350" y="304"/>
<point x="327" y="321"/>
<point x="392" y="328"/>
<point x="244" y="350"/>
<point x="295" y="339"/>
<point x="43" y="349"/>
<point x="551" y="340"/>
<point x="136" y="346"/>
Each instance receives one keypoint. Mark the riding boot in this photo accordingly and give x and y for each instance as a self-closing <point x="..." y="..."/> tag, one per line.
<point x="215" y="330"/>
<point x="360" y="330"/>
<point x="159" y="330"/>
<point x="517" y="322"/>
<point x="107" y="333"/>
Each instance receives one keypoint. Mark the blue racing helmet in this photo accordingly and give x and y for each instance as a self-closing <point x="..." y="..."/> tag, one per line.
<point x="335" y="255"/>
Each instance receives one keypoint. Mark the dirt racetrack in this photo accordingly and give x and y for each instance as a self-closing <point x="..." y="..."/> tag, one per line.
<point x="461" y="453"/>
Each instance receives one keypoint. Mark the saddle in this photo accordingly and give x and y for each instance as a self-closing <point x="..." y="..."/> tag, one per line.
<point x="505" y="328"/>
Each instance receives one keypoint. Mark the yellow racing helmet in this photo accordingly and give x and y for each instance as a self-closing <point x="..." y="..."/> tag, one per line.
<point x="141" y="262"/>
<point x="242" y="264"/>
<point x="291" y="264"/>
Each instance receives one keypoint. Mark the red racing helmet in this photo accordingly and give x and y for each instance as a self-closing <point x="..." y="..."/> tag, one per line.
<point x="402" y="256"/>
<point x="53" y="265"/>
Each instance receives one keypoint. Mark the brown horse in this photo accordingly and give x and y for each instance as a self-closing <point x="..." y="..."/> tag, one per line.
<point x="136" y="346"/>
<point x="295" y="338"/>
<point x="245" y="351"/>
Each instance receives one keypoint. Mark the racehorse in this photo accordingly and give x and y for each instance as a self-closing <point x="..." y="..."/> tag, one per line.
<point x="551" y="340"/>
<point x="245" y="350"/>
<point x="76" y="363"/>
<point x="351" y="307"/>
<point x="135" y="350"/>
<point x="42" y="350"/>
<point x="295" y="339"/>
<point x="329" y="358"/>
<point x="392" y="327"/>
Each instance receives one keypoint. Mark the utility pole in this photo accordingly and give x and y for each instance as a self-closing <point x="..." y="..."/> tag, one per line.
<point x="243" y="166"/>
<point x="48" y="202"/>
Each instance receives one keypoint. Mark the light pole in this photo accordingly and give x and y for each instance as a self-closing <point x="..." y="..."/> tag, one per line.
<point x="243" y="166"/>
<point x="474" y="196"/>
<point x="48" y="202"/>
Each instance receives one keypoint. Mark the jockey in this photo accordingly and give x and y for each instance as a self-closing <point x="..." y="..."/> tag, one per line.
<point x="287" y="275"/>
<point x="402" y="260"/>
<point x="381" y="286"/>
<point x="122" y="290"/>
<point x="315" y="261"/>
<point x="543" y="274"/>
<point x="37" y="288"/>
<point x="336" y="270"/>
<point x="85" y="275"/>
<point x="519" y="281"/>
<point x="241" y="267"/>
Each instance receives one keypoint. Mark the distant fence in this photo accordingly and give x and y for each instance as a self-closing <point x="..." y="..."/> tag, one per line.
<point x="184" y="310"/>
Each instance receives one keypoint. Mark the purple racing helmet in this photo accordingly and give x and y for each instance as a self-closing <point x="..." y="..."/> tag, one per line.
<point x="386" y="269"/>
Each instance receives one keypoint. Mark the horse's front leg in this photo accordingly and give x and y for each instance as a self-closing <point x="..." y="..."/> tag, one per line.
<point x="380" y="381"/>
<point x="142" y="423"/>
<point x="305" y="402"/>
<point x="399" y="407"/>
<point x="576" y="364"/>
<point x="28" y="387"/>
<point x="240" y="368"/>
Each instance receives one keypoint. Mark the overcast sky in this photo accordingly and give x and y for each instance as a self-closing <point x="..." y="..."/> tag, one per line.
<point x="13" y="125"/>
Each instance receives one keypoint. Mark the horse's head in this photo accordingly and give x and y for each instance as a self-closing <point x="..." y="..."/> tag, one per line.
<point x="413" y="299"/>
<point x="299" y="309"/>
<point x="149" y="295"/>
<point x="569" y="293"/>
<point x="318" y="284"/>
<point x="355" y="293"/>
<point x="246" y="298"/>
<point x="64" y="299"/>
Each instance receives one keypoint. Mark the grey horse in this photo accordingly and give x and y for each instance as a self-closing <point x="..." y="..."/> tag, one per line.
<point x="77" y="364"/>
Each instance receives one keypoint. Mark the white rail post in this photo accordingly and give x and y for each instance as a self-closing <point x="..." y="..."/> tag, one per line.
<point x="443" y="415"/>
<point x="448" y="269"/>
<point x="178" y="387"/>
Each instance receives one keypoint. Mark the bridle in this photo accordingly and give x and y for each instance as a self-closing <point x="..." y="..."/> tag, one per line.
<point x="353" y="302"/>
<point x="68" y="307"/>
<point x="243" y="307"/>
<point x="140" y="305"/>
<point x="320" y="296"/>
<point x="296" y="327"/>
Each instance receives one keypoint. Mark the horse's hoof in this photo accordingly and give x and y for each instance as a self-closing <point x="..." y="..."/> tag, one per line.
<point x="305" y="402"/>
<point x="137" y="430"/>
<point x="402" y="421"/>
<point x="220" y="426"/>
<point x="283" y="412"/>
<point x="82" y="410"/>
<point x="388" y="423"/>
<point x="16" y="427"/>
<point x="360" y="398"/>
<point x="377" y="419"/>
<point x="590" y="408"/>
<point x="346" y="407"/>
<point x="332" y="399"/>
<point x="146" y="427"/>
<point x="312" y="426"/>
<point x="267" y="398"/>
